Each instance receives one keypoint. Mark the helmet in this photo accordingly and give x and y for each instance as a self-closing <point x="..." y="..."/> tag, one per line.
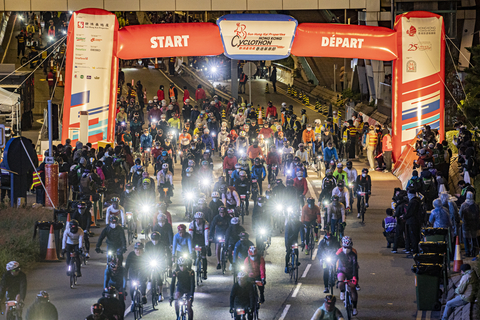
<point x="161" y="216"/>
<point x="181" y="226"/>
<point x="252" y="251"/>
<point x="112" y="219"/>
<point x="129" y="186"/>
<point x="341" y="184"/>
<point x="155" y="98"/>
<point x="244" y="235"/>
<point x="364" y="170"/>
<point x="164" y="153"/>
<point x="234" y="220"/>
<point x="189" y="171"/>
<point x="347" y="242"/>
<point x="81" y="205"/>
<point x="181" y="261"/>
<point x="204" y="163"/>
<point x="303" y="111"/>
<point x="261" y="199"/>
<point x="191" y="162"/>
<point x="155" y="236"/>
<point x="138" y="161"/>
<point x="330" y="298"/>
<point x="296" y="159"/>
<point x="199" y="215"/>
<point x="243" y="133"/>
<point x="215" y="194"/>
<point x="257" y="160"/>
<point x="138" y="245"/>
<point x="230" y="152"/>
<point x="328" y="171"/>
<point x="115" y="199"/>
<point x="42" y="296"/>
<point x="349" y="163"/>
<point x="311" y="201"/>
<point x="238" y="166"/>
<point x="242" y="174"/>
<point x="165" y="166"/>
<point x="146" y="182"/>
<point x="12" y="265"/>
<point x="97" y="308"/>
<point x="335" y="198"/>
<point x="340" y="165"/>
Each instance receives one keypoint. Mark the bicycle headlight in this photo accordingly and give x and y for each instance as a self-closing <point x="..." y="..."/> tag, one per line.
<point x="148" y="149"/>
<point x="153" y="263"/>
<point x="185" y="256"/>
<point x="189" y="196"/>
<point x="145" y="208"/>
<point x="279" y="207"/>
<point x="205" y="182"/>
<point x="262" y="232"/>
<point x="289" y="172"/>
<point x="290" y="209"/>
<point x="329" y="259"/>
<point x="134" y="283"/>
<point x="325" y="202"/>
<point x="110" y="253"/>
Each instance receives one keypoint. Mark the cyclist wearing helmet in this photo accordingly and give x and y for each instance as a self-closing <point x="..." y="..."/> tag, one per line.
<point x="97" y="313"/>
<point x="301" y="188"/>
<point x="115" y="238"/>
<point x="115" y="209"/>
<point x="218" y="228"/>
<point x="351" y="179"/>
<point x="240" y="253"/>
<point x="115" y="276"/>
<point x="199" y="231"/>
<point x="214" y="204"/>
<point x="201" y="206"/>
<point x="363" y="184"/>
<point x="146" y="185"/>
<point x="13" y="285"/>
<point x="329" y="154"/>
<point x="340" y="175"/>
<point x="273" y="159"/>
<point x="259" y="173"/>
<point x="207" y="156"/>
<point x="242" y="187"/>
<point x="230" y="197"/>
<point x="254" y="267"/>
<point x="293" y="227"/>
<point x="254" y="151"/>
<point x="327" y="249"/>
<point x="328" y="311"/>
<point x="342" y="192"/>
<point x="335" y="216"/>
<point x="157" y="252"/>
<point x="242" y="142"/>
<point x="136" y="271"/>
<point x="146" y="141"/>
<point x="165" y="181"/>
<point x="232" y="236"/>
<point x="242" y="296"/>
<point x="183" y="282"/>
<point x="42" y="308"/>
<point x="136" y="171"/>
<point x="73" y="242"/>
<point x="114" y="308"/>
<point x="328" y="184"/>
<point x="84" y="220"/>
<point x="310" y="216"/>
<point x="208" y="140"/>
<point x="348" y="270"/>
<point x="182" y="242"/>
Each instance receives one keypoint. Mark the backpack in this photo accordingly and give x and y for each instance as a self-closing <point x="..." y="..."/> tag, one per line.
<point x="416" y="184"/>
<point x="429" y="184"/>
<point x="73" y="177"/>
<point x="86" y="184"/>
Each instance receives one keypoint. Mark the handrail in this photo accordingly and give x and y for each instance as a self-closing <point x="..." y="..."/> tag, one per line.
<point x="205" y="83"/>
<point x="308" y="70"/>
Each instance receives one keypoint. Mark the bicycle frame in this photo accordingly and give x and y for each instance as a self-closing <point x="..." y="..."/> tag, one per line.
<point x="198" y="264"/>
<point x="293" y="263"/>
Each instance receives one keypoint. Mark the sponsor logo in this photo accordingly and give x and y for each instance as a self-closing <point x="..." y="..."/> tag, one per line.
<point x="95" y="39"/>
<point x="169" y="41"/>
<point x="422" y="46"/>
<point x="240" y="31"/>
<point x="244" y="40"/>
<point x="81" y="76"/>
<point x="430" y="30"/>
<point x="339" y="42"/>
<point x="80" y="24"/>
<point x="75" y="76"/>
<point x="81" y="58"/>
<point x="97" y="50"/>
<point x="81" y="39"/>
<point x="80" y="49"/>
<point x="96" y="78"/>
<point x="89" y="77"/>
<point x="411" y="66"/>
<point x="412" y="31"/>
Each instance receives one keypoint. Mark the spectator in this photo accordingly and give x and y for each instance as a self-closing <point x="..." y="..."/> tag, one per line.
<point x="389" y="225"/>
<point x="161" y="93"/>
<point x="469" y="213"/>
<point x="186" y="93"/>
<point x="464" y="292"/>
<point x="200" y="96"/>
<point x="413" y="222"/>
<point x="439" y="217"/>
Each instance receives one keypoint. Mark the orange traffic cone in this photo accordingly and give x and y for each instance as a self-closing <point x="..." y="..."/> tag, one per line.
<point x="92" y="224"/>
<point x="457" y="260"/>
<point x="98" y="215"/>
<point x="51" y="249"/>
<point x="260" y="117"/>
<point x="60" y="81"/>
<point x="68" y="220"/>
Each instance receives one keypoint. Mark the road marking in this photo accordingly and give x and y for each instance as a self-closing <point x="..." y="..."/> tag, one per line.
<point x="295" y="292"/>
<point x="311" y="190"/>
<point x="314" y="254"/>
<point x="427" y="315"/>
<point x="284" y="313"/>
<point x="419" y="315"/>
<point x="306" y="270"/>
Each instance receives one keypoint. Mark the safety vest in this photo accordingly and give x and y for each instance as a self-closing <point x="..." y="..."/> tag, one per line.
<point x="21" y="39"/>
<point x="346" y="133"/>
<point x="172" y="92"/>
<point x="36" y="180"/>
<point x="335" y="120"/>
<point x="353" y="131"/>
<point x="372" y="140"/>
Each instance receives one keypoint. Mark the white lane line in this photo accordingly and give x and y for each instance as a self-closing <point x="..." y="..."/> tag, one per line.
<point x="306" y="270"/>
<point x="295" y="292"/>
<point x="314" y="254"/>
<point x="284" y="313"/>
<point x="311" y="190"/>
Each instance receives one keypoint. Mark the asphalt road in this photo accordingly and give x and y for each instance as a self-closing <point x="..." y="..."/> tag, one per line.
<point x="387" y="284"/>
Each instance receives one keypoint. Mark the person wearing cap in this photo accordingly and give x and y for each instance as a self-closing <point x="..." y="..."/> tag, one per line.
<point x="465" y="291"/>
<point x="370" y="146"/>
<point x="363" y="183"/>
<point x="413" y="218"/>
<point x="469" y="213"/>
<point x="329" y="154"/>
<point x="328" y="311"/>
<point x="342" y="192"/>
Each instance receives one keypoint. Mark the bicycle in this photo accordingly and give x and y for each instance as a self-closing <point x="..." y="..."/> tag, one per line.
<point x="311" y="241"/>
<point x="146" y="157"/>
<point x="243" y="198"/>
<point x="293" y="268"/>
<point x="198" y="264"/>
<point x="263" y="241"/>
<point x="256" y="304"/>
<point x="13" y="310"/>
<point x="223" y="254"/>
<point x="153" y="283"/>
<point x="254" y="189"/>
<point x="131" y="226"/>
<point x="363" y="209"/>
<point x="182" y="315"/>
<point x="348" y="299"/>
<point x="137" y="301"/>
<point x="242" y="313"/>
<point x="72" y="269"/>
<point x="332" y="274"/>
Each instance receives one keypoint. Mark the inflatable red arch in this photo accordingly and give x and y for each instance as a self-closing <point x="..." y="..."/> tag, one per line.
<point x="416" y="46"/>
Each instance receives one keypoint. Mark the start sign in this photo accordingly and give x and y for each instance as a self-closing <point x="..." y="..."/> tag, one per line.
<point x="257" y="36"/>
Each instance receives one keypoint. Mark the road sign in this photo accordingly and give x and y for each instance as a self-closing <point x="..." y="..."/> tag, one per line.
<point x="2" y="136"/>
<point x="249" y="69"/>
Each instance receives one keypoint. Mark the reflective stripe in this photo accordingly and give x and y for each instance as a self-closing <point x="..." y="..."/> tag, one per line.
<point x="372" y="140"/>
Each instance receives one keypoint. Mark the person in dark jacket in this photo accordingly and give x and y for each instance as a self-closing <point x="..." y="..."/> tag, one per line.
<point x="242" y="296"/>
<point x="136" y="271"/>
<point x="114" y="309"/>
<point x="241" y="248"/>
<point x="400" y="204"/>
<point x="115" y="276"/>
<point x="183" y="282"/>
<point x="116" y="241"/>
<point x="84" y="219"/>
<point x="413" y="222"/>
<point x="42" y="308"/>
<point x="232" y="236"/>
<point x="218" y="227"/>
<point x="293" y="227"/>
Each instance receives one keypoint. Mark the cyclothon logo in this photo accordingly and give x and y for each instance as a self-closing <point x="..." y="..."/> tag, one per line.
<point x="412" y="31"/>
<point x="258" y="41"/>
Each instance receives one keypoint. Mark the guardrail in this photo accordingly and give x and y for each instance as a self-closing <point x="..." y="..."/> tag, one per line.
<point x="205" y="83"/>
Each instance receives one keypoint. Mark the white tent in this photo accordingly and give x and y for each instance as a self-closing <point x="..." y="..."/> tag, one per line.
<point x="8" y="98"/>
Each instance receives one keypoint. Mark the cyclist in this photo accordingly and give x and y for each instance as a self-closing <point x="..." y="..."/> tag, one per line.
<point x="136" y="172"/>
<point x="363" y="184"/>
<point x="213" y="206"/>
<point x="97" y="313"/>
<point x="348" y="270"/>
<point x="293" y="227"/>
<point x="115" y="239"/>
<point x="13" y="285"/>
<point x="273" y="159"/>
<point x="183" y="282"/>
<point x="328" y="311"/>
<point x="115" y="276"/>
<point x="254" y="266"/>
<point x="258" y="173"/>
<point x="342" y="194"/>
<point x="42" y="308"/>
<point x="157" y="251"/>
<point x="115" y="209"/>
<point x="73" y="242"/>
<point x="182" y="242"/>
<point x="310" y="216"/>
<point x="328" y="184"/>
<point x="113" y="308"/>
<point x="329" y="154"/>
<point x="166" y="233"/>
<point x="201" y="206"/>
<point x="351" y="179"/>
<point x="302" y="154"/>
<point x="242" y="187"/>
<point x="146" y="145"/>
<point x="242" y="296"/>
<point x="84" y="221"/>
<point x="340" y="175"/>
<point x="135" y="269"/>
<point x="218" y="229"/>
<point x="240" y="253"/>
<point x="327" y="249"/>
<point x="242" y="142"/>
<point x="335" y="216"/>
<point x="232" y="236"/>
<point x="198" y="230"/>
<point x="229" y="163"/>
<point x="165" y="181"/>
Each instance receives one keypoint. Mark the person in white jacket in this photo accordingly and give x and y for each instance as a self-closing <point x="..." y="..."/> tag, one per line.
<point x="199" y="230"/>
